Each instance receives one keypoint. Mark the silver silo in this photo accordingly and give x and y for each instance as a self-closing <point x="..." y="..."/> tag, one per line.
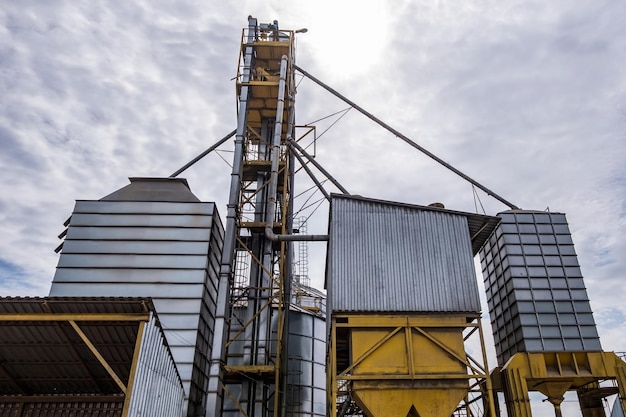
<point x="535" y="290"/>
<point x="153" y="238"/>
<point x="306" y="365"/>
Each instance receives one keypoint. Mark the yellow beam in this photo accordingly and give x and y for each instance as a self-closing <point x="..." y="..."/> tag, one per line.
<point x="234" y="400"/>
<point x="489" y="391"/>
<point x="391" y="321"/>
<point x="398" y="377"/>
<point x="250" y="369"/>
<point x="99" y="356"/>
<point x="370" y="351"/>
<point x="133" y="369"/>
<point x="75" y="317"/>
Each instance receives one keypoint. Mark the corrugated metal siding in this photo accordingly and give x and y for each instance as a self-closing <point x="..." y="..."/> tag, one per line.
<point x="306" y="368"/>
<point x="157" y="389"/>
<point x="165" y="250"/>
<point x="386" y="257"/>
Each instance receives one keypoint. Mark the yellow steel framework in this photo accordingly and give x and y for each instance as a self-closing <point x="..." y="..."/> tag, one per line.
<point x="554" y="373"/>
<point x="21" y="320"/>
<point x="252" y="364"/>
<point x="407" y="365"/>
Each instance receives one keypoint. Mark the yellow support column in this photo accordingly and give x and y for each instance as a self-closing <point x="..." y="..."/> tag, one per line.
<point x="554" y="373"/>
<point x="620" y="373"/>
<point x="516" y="393"/>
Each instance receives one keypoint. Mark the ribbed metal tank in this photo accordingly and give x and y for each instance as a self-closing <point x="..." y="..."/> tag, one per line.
<point x="535" y="289"/>
<point x="157" y="388"/>
<point x="306" y="368"/>
<point x="152" y="238"/>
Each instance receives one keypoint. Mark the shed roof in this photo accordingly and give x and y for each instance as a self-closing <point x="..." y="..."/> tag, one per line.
<point x="42" y="350"/>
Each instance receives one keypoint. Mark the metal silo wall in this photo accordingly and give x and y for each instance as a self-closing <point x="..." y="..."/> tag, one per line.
<point x="165" y="250"/>
<point x="157" y="389"/>
<point x="535" y="289"/>
<point x="306" y="369"/>
<point x="389" y="257"/>
<point x="306" y="374"/>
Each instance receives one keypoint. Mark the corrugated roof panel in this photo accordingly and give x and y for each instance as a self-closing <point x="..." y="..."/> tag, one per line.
<point x="48" y="366"/>
<point x="385" y="256"/>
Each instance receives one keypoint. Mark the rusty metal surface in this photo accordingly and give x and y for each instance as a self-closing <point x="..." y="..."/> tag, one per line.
<point x="48" y="357"/>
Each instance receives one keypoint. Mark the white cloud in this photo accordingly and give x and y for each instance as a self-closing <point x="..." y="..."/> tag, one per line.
<point x="526" y="97"/>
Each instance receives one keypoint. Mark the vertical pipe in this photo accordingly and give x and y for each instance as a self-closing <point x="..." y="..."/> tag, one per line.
<point x="271" y="212"/>
<point x="287" y="250"/>
<point x="222" y="311"/>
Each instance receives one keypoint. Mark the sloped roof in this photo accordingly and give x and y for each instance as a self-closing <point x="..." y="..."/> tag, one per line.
<point x="42" y="353"/>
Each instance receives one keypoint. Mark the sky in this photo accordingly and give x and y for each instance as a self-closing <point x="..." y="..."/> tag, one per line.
<point x="527" y="97"/>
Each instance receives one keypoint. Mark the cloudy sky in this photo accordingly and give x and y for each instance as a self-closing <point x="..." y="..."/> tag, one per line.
<point x="527" y="97"/>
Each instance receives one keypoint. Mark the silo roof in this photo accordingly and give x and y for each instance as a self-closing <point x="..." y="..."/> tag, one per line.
<point x="154" y="189"/>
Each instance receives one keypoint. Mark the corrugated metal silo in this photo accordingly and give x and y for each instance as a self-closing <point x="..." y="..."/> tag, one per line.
<point x="152" y="238"/>
<point x="306" y="364"/>
<point x="401" y="293"/>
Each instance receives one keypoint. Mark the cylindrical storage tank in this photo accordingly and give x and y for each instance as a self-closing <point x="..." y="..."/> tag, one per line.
<point x="306" y="376"/>
<point x="306" y="369"/>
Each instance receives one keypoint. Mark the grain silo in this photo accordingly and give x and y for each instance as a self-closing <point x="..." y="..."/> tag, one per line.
<point x="402" y="299"/>
<point x="153" y="238"/>
<point x="545" y="334"/>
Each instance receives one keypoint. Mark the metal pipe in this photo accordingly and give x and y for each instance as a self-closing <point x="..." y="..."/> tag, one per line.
<point x="275" y="158"/>
<point x="222" y="308"/>
<point x="203" y="154"/>
<point x="317" y="165"/>
<point x="406" y="139"/>
<point x="308" y="171"/>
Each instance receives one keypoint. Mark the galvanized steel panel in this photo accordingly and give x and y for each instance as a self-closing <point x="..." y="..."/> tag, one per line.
<point x="138" y="233"/>
<point x="141" y="219"/>
<point x="125" y="275"/>
<point x="143" y="207"/>
<point x="156" y="290"/>
<point x="157" y="389"/>
<point x="130" y="260"/>
<point x="167" y="250"/>
<point x="535" y="290"/>
<point x="135" y="247"/>
<point x="390" y="257"/>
